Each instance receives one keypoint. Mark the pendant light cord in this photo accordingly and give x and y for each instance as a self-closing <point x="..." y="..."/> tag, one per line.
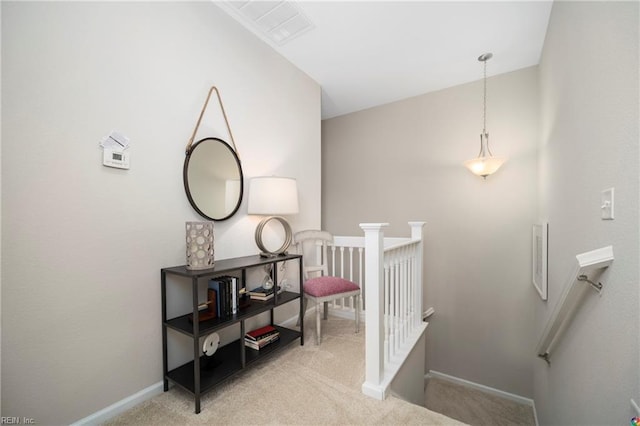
<point x="484" y="110"/>
<point x="484" y="138"/>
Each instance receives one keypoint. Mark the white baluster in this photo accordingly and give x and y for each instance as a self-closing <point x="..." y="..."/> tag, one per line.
<point x="361" y="277"/>
<point x="405" y="296"/>
<point x="351" y="263"/>
<point x="412" y="291"/>
<point x="412" y="295"/>
<point x="341" y="301"/>
<point x="386" y="313"/>
<point x="392" y="309"/>
<point x="401" y="309"/>
<point x="405" y="285"/>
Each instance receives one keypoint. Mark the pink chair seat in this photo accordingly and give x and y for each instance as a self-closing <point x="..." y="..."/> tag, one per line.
<point x="327" y="286"/>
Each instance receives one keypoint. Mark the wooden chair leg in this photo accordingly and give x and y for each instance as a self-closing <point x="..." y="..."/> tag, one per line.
<point x="326" y="310"/>
<point x="318" y="323"/>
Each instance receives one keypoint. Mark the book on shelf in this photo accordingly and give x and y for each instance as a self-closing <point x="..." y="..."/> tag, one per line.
<point x="234" y="295"/>
<point x="228" y="298"/>
<point x="261" y="343"/>
<point x="261" y="337"/>
<point x="215" y="285"/>
<point x="261" y="293"/>
<point x="260" y="333"/>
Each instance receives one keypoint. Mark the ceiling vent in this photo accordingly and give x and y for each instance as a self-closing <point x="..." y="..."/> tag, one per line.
<point x="280" y="21"/>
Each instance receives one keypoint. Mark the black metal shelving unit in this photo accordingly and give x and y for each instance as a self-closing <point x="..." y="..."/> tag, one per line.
<point x="203" y="373"/>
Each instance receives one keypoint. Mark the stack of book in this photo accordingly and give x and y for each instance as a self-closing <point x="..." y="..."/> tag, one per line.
<point x="261" y="293"/>
<point x="261" y="337"/>
<point x="230" y="295"/>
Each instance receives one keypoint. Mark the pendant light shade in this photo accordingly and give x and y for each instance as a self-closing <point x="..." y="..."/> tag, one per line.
<point x="485" y="163"/>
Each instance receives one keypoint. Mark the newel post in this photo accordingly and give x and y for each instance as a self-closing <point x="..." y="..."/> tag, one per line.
<point x="374" y="310"/>
<point x="417" y="233"/>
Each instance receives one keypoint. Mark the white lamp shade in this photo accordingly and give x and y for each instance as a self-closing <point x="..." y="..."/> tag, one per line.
<point x="484" y="166"/>
<point x="273" y="195"/>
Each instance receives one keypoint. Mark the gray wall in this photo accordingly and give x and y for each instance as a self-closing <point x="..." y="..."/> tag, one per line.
<point x="403" y="161"/>
<point x="589" y="96"/>
<point x="82" y="245"/>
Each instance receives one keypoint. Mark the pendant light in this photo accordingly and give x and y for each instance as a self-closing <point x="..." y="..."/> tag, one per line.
<point x="485" y="163"/>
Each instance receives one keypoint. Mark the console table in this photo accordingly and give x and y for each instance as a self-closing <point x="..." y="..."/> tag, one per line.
<point x="204" y="372"/>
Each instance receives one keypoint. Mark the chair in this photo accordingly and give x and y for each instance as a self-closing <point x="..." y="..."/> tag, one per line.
<point x="318" y="286"/>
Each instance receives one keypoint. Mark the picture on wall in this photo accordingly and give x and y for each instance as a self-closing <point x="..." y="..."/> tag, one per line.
<point x="540" y="257"/>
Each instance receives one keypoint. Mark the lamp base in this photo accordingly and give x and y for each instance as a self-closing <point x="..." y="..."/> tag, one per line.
<point x="270" y="255"/>
<point x="288" y="237"/>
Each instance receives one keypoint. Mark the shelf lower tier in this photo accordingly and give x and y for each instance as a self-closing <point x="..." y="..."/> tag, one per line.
<point x="226" y="362"/>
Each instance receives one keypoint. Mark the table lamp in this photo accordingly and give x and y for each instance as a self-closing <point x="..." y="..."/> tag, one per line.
<point x="273" y="196"/>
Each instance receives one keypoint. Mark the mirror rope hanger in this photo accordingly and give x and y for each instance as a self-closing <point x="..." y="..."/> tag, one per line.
<point x="224" y="114"/>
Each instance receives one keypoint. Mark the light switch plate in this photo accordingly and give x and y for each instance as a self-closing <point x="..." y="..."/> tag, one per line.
<point x="606" y="206"/>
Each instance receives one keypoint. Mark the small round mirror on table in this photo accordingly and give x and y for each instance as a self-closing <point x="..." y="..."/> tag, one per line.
<point x="213" y="179"/>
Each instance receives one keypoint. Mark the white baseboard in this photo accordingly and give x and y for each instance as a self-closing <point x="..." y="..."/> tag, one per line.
<point x="483" y="388"/>
<point x="373" y="391"/>
<point x="345" y="314"/>
<point x="121" y="406"/>
<point x="311" y="311"/>
<point x="293" y="321"/>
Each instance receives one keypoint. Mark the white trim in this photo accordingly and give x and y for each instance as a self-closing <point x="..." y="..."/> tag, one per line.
<point x="381" y="390"/>
<point x="121" y="406"/>
<point x="293" y="321"/>
<point x="340" y="313"/>
<point x="497" y="392"/>
<point x="487" y="389"/>
<point x="374" y="391"/>
<point x="345" y="314"/>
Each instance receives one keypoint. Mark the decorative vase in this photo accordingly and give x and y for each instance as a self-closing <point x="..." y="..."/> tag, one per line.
<point x="199" y="245"/>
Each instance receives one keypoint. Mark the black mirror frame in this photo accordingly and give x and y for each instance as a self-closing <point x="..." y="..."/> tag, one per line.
<point x="185" y="179"/>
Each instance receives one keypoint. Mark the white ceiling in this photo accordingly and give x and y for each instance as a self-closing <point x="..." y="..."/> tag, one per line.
<point x="368" y="53"/>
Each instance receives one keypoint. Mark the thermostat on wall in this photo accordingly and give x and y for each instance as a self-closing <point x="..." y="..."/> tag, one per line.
<point x="117" y="159"/>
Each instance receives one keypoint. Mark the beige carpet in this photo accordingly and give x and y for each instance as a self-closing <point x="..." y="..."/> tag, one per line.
<point x="303" y="385"/>
<point x="475" y="407"/>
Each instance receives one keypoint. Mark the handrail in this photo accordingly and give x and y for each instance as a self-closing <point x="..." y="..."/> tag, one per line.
<point x="593" y="263"/>
<point x="396" y="245"/>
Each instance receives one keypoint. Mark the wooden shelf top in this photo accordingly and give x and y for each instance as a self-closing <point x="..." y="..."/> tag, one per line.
<point x="226" y="265"/>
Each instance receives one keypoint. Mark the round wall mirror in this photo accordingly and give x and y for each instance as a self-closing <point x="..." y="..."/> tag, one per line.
<point x="213" y="179"/>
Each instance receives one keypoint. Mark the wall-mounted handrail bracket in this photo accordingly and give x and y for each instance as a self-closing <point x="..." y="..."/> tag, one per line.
<point x="596" y="286"/>
<point x="586" y="263"/>
<point x="545" y="356"/>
